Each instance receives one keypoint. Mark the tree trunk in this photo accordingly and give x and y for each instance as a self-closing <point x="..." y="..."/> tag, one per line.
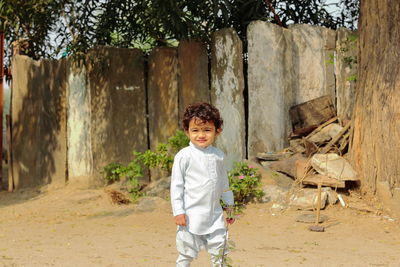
<point x="376" y="143"/>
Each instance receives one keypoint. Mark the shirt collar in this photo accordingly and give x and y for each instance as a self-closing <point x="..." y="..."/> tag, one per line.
<point x="206" y="149"/>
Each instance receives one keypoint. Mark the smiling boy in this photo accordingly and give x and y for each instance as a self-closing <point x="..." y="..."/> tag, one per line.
<point x="198" y="182"/>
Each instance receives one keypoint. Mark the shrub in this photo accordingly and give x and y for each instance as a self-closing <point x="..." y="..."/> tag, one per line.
<point x="245" y="184"/>
<point x="161" y="158"/>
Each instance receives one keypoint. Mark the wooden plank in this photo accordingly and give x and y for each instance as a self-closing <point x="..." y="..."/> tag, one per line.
<point x="315" y="179"/>
<point x="321" y="126"/>
<point x="312" y="113"/>
<point x="310" y="147"/>
<point x="273" y="156"/>
<point x="343" y="142"/>
<point x="335" y="139"/>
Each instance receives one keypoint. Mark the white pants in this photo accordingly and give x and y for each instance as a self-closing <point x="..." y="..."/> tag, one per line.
<point x="189" y="245"/>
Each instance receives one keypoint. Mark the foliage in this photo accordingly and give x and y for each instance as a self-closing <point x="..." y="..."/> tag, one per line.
<point x="352" y="78"/>
<point x="113" y="171"/>
<point x="31" y="21"/>
<point x="351" y="60"/>
<point x="178" y="141"/>
<point x="222" y="256"/>
<point x="161" y="158"/>
<point x="70" y="27"/>
<point x="348" y="14"/>
<point x="134" y="188"/>
<point x="158" y="22"/>
<point x="76" y="32"/>
<point x="245" y="184"/>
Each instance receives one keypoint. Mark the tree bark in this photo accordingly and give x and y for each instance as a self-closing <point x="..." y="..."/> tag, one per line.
<point x="376" y="143"/>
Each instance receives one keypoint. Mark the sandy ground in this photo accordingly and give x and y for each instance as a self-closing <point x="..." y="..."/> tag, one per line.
<point x="71" y="227"/>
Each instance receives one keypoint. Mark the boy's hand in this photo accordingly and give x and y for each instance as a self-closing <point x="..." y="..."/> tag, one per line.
<point x="230" y="218"/>
<point x="180" y="220"/>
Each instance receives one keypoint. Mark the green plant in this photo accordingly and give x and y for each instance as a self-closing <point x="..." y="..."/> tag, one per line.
<point x="245" y="184"/>
<point x="352" y="78"/>
<point x="112" y="172"/>
<point x="178" y="141"/>
<point x="331" y="59"/>
<point x="222" y="258"/>
<point x="134" y="189"/>
<point x="350" y="61"/>
<point x="161" y="158"/>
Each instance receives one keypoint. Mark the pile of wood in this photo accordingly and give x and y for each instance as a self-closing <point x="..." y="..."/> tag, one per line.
<point x="318" y="146"/>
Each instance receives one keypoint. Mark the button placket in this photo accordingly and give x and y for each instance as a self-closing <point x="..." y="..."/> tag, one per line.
<point x="213" y="167"/>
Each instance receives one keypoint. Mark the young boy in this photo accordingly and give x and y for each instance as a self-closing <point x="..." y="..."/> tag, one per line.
<point x="198" y="182"/>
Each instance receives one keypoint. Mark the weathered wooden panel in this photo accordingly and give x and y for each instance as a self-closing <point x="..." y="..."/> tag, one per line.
<point x="117" y="106"/>
<point x="312" y="113"/>
<point x="270" y="88"/>
<point x="346" y="72"/>
<point x="193" y="74"/>
<point x="38" y="122"/>
<point x="227" y="84"/>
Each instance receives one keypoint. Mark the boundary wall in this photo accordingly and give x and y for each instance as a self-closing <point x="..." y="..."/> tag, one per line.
<point x="70" y="119"/>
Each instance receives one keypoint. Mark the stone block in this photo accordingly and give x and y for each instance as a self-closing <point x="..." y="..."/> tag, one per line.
<point x="38" y="122"/>
<point x="80" y="159"/>
<point x="193" y="74"/>
<point x="162" y="95"/>
<point x="269" y="86"/>
<point x="313" y="50"/>
<point x="227" y="85"/>
<point x="117" y="106"/>
<point x="306" y="199"/>
<point x="274" y="193"/>
<point x="346" y="71"/>
<point x="159" y="188"/>
<point x="332" y="165"/>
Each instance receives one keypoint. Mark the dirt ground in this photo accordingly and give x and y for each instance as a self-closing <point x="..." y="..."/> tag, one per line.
<point x="75" y="227"/>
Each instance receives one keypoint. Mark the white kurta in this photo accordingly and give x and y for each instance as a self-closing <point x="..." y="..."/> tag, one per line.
<point x="198" y="182"/>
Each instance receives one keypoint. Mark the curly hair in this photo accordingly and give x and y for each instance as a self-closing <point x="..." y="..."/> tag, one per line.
<point x="204" y="112"/>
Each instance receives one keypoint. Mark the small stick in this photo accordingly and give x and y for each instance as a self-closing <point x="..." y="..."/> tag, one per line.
<point x="318" y="203"/>
<point x="225" y="244"/>
<point x="316" y="227"/>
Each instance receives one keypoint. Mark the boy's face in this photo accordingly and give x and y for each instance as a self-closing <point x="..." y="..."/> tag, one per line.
<point x="202" y="134"/>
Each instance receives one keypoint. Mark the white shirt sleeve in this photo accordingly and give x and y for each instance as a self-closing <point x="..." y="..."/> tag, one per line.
<point x="227" y="194"/>
<point x="177" y="185"/>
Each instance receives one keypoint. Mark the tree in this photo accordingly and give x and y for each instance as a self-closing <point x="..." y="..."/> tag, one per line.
<point x="152" y="21"/>
<point x="376" y="142"/>
<point x="30" y="21"/>
<point x="54" y="27"/>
